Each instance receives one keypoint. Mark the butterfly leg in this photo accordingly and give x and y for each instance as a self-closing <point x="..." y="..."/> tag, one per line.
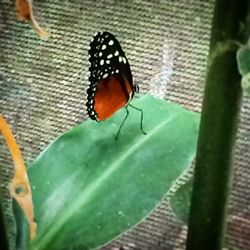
<point x="141" y="123"/>
<point x="120" y="128"/>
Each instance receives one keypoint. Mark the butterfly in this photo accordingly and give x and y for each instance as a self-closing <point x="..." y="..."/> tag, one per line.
<point x="111" y="83"/>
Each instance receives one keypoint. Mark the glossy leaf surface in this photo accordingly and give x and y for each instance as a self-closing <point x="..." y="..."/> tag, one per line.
<point x="89" y="188"/>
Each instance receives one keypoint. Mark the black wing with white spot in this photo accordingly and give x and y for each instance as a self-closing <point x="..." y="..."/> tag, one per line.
<point x="107" y="58"/>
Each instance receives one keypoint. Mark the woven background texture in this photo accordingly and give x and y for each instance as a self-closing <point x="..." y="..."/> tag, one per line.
<point x="43" y="88"/>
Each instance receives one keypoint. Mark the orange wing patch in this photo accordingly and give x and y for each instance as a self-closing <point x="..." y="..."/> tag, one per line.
<point x="111" y="95"/>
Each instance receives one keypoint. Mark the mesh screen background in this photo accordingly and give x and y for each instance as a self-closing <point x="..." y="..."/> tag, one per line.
<point x="43" y="88"/>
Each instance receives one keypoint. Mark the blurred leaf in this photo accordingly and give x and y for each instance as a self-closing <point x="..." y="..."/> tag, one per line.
<point x="181" y="200"/>
<point x="88" y="188"/>
<point x="180" y="203"/>
<point x="25" y="13"/>
<point x="245" y="82"/>
<point x="243" y="59"/>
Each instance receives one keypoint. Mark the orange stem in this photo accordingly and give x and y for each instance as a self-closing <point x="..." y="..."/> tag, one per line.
<point x="20" y="179"/>
<point x="12" y="145"/>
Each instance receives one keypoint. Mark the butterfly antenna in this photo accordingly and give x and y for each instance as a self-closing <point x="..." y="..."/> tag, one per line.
<point x="120" y="128"/>
<point x="141" y="123"/>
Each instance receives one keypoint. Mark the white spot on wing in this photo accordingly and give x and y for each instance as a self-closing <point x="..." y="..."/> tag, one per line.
<point x="104" y="46"/>
<point x="111" y="42"/>
<point x="100" y="53"/>
<point x="109" y="56"/>
<point x="124" y="60"/>
<point x="108" y="61"/>
<point x="105" y="75"/>
<point x="120" y="59"/>
<point x="102" y="62"/>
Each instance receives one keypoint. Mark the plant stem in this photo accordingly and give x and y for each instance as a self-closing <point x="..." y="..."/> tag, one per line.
<point x="3" y="232"/>
<point x="219" y="119"/>
<point x="20" y="179"/>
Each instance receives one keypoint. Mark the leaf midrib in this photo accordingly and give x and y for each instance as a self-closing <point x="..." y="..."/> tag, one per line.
<point x="91" y="189"/>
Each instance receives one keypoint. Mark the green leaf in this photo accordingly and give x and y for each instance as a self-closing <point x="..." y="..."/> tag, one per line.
<point x="245" y="83"/>
<point x="243" y="60"/>
<point x="181" y="200"/>
<point x="89" y="188"/>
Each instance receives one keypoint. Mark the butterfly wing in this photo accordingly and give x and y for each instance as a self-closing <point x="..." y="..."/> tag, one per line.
<point x="111" y="83"/>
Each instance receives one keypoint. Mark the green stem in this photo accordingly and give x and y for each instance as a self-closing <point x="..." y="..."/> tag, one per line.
<point x="3" y="233"/>
<point x="219" y="119"/>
